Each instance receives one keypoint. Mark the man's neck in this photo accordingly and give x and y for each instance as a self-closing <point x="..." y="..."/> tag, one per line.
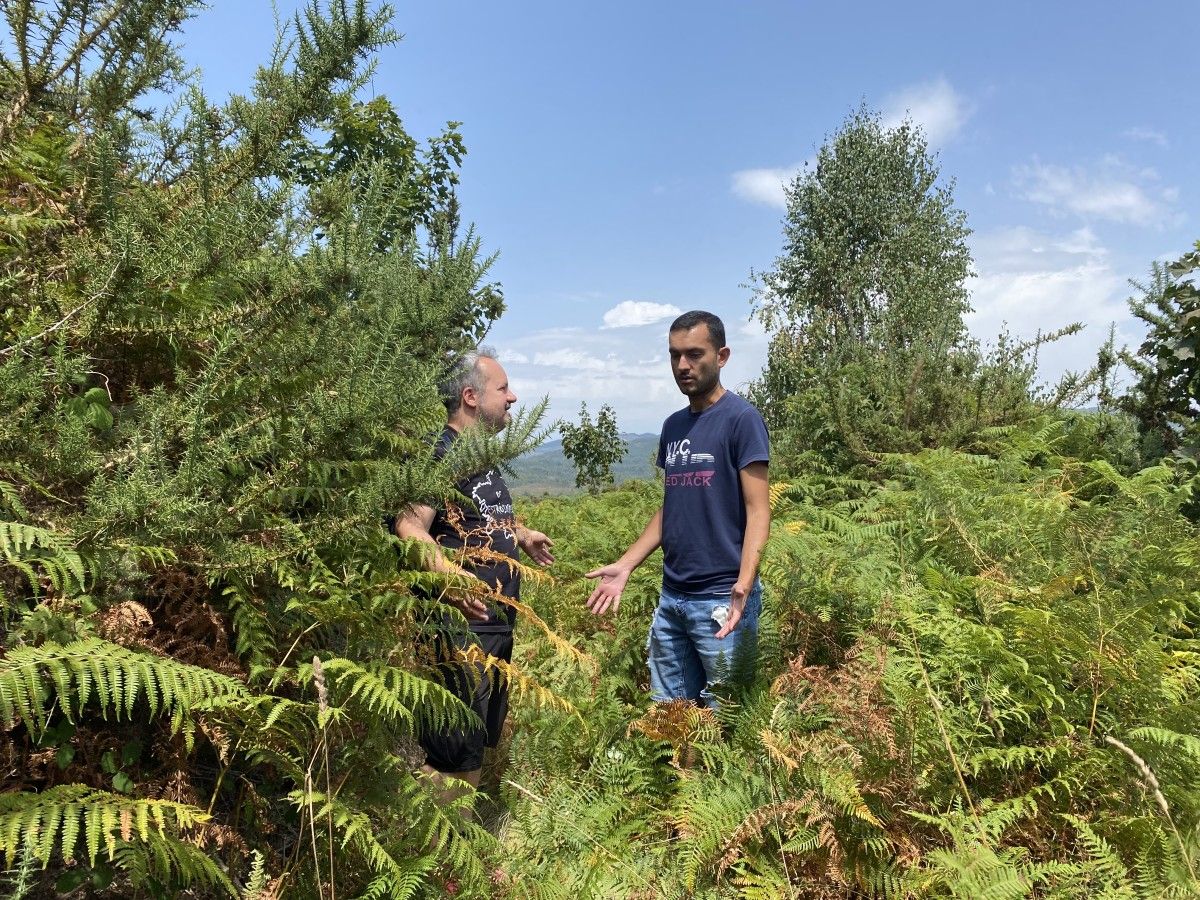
<point x="700" y="404"/>
<point x="459" y="422"/>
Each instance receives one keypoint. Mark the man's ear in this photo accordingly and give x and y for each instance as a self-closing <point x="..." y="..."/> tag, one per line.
<point x="723" y="356"/>
<point x="468" y="397"/>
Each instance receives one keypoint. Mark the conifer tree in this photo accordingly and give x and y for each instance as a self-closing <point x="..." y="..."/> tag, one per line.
<point x="1163" y="399"/>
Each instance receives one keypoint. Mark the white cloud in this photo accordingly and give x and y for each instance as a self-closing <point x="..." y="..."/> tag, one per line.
<point x="1109" y="190"/>
<point x="1023" y="249"/>
<point x="575" y="360"/>
<point x="936" y="106"/>
<point x="632" y="313"/>
<point x="514" y="357"/>
<point x="627" y="369"/>
<point x="765" y="185"/>
<point x="1032" y="282"/>
<point x="1149" y="135"/>
<point x="752" y="329"/>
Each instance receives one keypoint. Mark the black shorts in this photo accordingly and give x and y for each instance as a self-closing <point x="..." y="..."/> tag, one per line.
<point x="484" y="693"/>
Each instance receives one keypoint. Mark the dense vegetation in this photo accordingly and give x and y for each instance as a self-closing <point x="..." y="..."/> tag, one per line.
<point x="220" y="327"/>
<point x="979" y="681"/>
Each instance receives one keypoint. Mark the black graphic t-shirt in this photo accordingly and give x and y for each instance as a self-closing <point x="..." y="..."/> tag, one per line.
<point x="488" y="525"/>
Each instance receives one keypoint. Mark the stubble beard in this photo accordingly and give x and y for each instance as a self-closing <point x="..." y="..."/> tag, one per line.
<point x="494" y="426"/>
<point x="698" y="387"/>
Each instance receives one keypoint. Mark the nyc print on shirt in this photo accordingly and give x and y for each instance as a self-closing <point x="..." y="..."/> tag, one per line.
<point x="704" y="513"/>
<point x="681" y="456"/>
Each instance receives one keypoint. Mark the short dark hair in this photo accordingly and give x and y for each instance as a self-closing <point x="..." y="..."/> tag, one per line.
<point x="689" y="320"/>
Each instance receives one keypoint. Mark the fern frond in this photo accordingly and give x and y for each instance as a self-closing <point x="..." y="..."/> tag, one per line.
<point x="71" y="675"/>
<point x="28" y="548"/>
<point x="167" y="860"/>
<point x="437" y="829"/>
<point x="1186" y="744"/>
<point x="519" y="682"/>
<point x="390" y="693"/>
<point x="140" y="835"/>
<point x="753" y="826"/>
<point x="776" y="749"/>
<point x="560" y="644"/>
<point x="1103" y="858"/>
<point x="257" y="879"/>
<point x="775" y="494"/>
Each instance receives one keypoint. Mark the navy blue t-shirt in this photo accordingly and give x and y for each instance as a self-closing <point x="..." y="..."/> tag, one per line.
<point x="704" y="512"/>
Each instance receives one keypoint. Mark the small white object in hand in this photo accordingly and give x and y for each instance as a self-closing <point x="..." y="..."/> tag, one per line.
<point x="720" y="615"/>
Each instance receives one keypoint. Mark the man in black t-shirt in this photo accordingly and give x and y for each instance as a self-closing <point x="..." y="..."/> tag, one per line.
<point x="476" y="394"/>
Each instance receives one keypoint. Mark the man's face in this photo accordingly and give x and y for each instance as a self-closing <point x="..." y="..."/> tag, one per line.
<point x="493" y="401"/>
<point x="695" y="362"/>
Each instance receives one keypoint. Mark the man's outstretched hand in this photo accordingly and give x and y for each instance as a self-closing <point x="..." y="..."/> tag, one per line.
<point x="536" y="545"/>
<point x="607" y="594"/>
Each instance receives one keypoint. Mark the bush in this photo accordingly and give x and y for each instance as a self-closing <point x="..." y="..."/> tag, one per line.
<point x="220" y="345"/>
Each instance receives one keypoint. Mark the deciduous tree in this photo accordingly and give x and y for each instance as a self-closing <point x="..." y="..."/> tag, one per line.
<point x="593" y="448"/>
<point x="865" y="305"/>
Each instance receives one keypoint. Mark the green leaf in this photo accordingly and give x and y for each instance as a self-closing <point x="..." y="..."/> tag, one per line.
<point x="63" y="757"/>
<point x="99" y="417"/>
<point x="131" y="751"/>
<point x="70" y="880"/>
<point x="102" y="875"/>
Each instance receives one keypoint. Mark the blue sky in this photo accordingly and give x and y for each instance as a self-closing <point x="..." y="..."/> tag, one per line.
<point x="626" y="158"/>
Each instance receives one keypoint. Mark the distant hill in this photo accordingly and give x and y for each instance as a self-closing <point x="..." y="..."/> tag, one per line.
<point x="546" y="471"/>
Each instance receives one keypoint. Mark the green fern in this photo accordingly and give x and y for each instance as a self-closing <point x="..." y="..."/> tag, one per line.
<point x="28" y="548"/>
<point x="142" y="836"/>
<point x="257" y="879"/>
<point x="33" y="680"/>
<point x="391" y="694"/>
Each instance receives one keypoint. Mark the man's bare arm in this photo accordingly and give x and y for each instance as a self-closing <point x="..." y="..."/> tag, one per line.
<point x="757" y="496"/>
<point x="535" y="544"/>
<point x="614" y="576"/>
<point x="414" y="524"/>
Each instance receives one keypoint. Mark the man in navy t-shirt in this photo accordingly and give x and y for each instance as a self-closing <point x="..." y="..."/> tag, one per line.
<point x="712" y="526"/>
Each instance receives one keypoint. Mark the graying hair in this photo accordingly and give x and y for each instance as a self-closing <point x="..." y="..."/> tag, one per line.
<point x="464" y="372"/>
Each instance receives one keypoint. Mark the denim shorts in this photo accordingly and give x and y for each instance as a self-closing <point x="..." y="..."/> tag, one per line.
<point x="686" y="659"/>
